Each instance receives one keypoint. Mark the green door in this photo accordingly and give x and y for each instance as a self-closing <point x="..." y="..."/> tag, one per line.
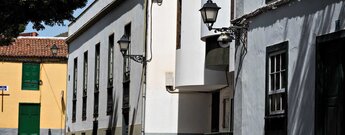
<point x="29" y="119"/>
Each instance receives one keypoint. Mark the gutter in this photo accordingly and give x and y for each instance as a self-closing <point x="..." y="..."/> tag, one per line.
<point x="143" y="112"/>
<point x="93" y="20"/>
<point x="272" y="6"/>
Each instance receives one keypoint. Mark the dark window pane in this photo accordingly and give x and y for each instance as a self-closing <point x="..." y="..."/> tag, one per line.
<point x="283" y="59"/>
<point x="272" y="105"/>
<point x="272" y="82"/>
<point x="278" y="62"/>
<point x="277" y="81"/>
<point x="278" y="101"/>
<point x="272" y="64"/>
<point x="283" y="78"/>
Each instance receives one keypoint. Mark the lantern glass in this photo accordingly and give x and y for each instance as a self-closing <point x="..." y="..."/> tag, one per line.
<point x="54" y="49"/>
<point x="209" y="12"/>
<point x="124" y="43"/>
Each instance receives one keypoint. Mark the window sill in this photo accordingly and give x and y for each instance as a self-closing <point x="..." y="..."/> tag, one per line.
<point x="275" y="116"/>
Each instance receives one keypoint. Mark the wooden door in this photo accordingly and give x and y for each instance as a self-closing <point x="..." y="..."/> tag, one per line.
<point x="330" y="76"/>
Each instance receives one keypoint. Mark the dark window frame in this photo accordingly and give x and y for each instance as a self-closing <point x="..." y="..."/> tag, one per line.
<point x="178" y="24"/>
<point x="110" y="75"/>
<point x="85" y="79"/>
<point x="111" y="60"/>
<point x="75" y="89"/>
<point x="272" y="118"/>
<point x="226" y="105"/>
<point x="96" y="81"/>
<point x="126" y="84"/>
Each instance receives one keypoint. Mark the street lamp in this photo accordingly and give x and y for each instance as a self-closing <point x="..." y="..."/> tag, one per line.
<point x="124" y="43"/>
<point x="209" y="13"/>
<point x="54" y="49"/>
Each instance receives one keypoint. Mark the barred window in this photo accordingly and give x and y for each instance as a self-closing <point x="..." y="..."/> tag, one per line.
<point x="97" y="73"/>
<point x="277" y="82"/>
<point x="85" y="78"/>
<point x="111" y="61"/>
<point x="97" y="66"/>
<point x="75" y="81"/>
<point x="276" y="89"/>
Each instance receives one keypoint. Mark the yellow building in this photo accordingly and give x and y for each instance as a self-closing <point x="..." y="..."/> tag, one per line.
<point x="33" y="86"/>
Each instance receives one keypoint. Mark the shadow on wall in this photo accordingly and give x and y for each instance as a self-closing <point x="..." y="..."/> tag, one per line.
<point x="113" y="118"/>
<point x="194" y="113"/>
<point x="294" y="10"/>
<point x="316" y="20"/>
<point x="108" y="19"/>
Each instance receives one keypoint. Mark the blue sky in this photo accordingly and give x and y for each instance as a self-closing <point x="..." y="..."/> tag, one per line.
<point x="55" y="30"/>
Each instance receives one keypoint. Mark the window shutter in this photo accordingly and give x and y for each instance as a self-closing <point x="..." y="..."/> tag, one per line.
<point x="31" y="76"/>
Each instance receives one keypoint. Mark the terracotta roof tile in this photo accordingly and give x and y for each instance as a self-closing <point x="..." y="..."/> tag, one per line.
<point x="34" y="47"/>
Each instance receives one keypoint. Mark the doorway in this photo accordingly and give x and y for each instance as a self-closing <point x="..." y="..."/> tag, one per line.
<point x="330" y="84"/>
<point x="29" y="119"/>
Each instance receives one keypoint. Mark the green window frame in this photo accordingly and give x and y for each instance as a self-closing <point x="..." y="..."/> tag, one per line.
<point x="31" y="76"/>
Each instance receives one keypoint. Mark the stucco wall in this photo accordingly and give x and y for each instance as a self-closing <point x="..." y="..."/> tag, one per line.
<point x="48" y="96"/>
<point x="300" y="28"/>
<point x="130" y="11"/>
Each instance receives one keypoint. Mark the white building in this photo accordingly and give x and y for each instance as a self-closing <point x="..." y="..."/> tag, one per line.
<point x="291" y="78"/>
<point x="180" y="90"/>
<point x="185" y="94"/>
<point x="96" y="86"/>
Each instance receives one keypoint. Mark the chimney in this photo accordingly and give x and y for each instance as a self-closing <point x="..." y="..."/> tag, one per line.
<point x="29" y="34"/>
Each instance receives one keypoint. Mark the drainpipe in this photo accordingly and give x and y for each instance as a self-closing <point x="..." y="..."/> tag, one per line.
<point x="147" y="11"/>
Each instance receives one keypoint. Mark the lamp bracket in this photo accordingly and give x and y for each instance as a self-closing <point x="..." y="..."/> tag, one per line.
<point x="231" y="29"/>
<point x="137" y="58"/>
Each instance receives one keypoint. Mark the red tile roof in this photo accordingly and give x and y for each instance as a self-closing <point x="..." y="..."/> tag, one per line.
<point x="34" y="47"/>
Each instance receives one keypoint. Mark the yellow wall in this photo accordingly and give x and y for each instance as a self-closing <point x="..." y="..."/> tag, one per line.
<point x="54" y="81"/>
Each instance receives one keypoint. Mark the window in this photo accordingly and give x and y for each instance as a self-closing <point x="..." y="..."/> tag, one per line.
<point x="97" y="66"/>
<point x="276" y="89"/>
<point x="111" y="61"/>
<point x="97" y="72"/>
<point x="232" y="10"/>
<point x="85" y="79"/>
<point x="30" y="76"/>
<point x="215" y="111"/>
<point x="75" y="81"/>
<point x="226" y="113"/>
<point x="128" y="30"/>
<point x="94" y="127"/>
<point x="126" y="89"/>
<point x="178" y="22"/>
<point x="110" y="75"/>
<point x="110" y="101"/>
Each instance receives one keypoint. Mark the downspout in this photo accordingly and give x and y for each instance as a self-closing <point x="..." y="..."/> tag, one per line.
<point x="145" y="64"/>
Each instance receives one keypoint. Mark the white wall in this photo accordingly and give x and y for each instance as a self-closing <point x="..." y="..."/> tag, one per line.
<point x="161" y="112"/>
<point x="114" y="22"/>
<point x="299" y="28"/>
